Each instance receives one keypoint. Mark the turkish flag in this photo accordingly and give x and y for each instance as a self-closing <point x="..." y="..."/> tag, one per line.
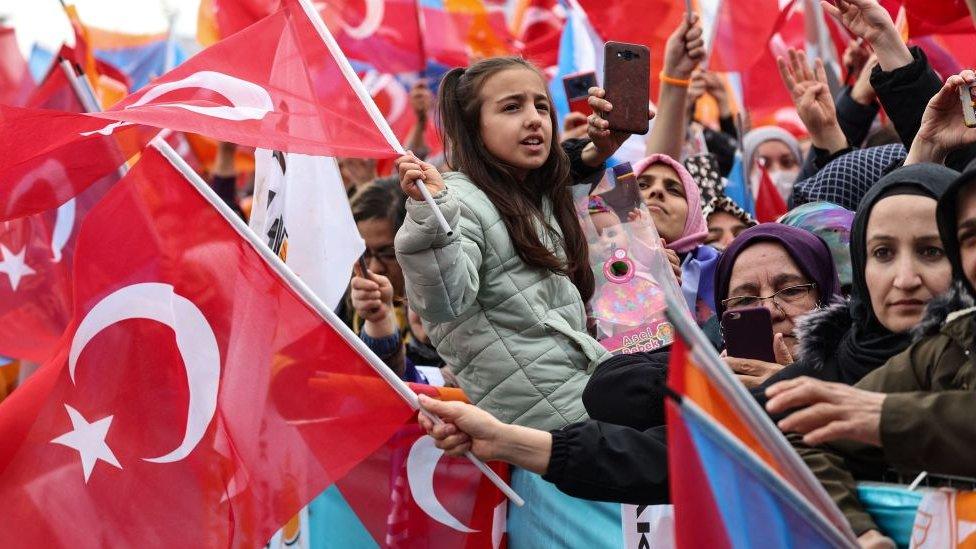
<point x="15" y="79"/>
<point x="196" y="399"/>
<point x="274" y="85"/>
<point x="384" y="33"/>
<point x="36" y="255"/>
<point x="39" y="174"/>
<point x="769" y="203"/>
<point x="409" y="494"/>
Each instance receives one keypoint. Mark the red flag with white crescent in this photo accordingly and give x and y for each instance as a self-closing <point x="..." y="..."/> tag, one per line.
<point x="196" y="400"/>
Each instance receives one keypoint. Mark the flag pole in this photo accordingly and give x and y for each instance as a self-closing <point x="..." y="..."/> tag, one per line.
<point x="314" y="302"/>
<point x="368" y="103"/>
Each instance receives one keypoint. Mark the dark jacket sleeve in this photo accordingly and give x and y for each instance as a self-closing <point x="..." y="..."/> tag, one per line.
<point x="924" y="431"/>
<point x="628" y="390"/>
<point x="904" y="93"/>
<point x="578" y="170"/>
<point x="727" y="125"/>
<point x="854" y="118"/>
<point x="226" y="189"/>
<point x="605" y="462"/>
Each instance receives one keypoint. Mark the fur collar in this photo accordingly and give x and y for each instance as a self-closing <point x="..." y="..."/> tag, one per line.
<point x="820" y="332"/>
<point x="947" y="307"/>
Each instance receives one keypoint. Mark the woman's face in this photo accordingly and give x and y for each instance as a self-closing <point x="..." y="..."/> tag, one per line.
<point x="380" y="254"/>
<point x="664" y="195"/>
<point x="966" y="231"/>
<point x="906" y="265"/>
<point x="516" y="125"/>
<point x="764" y="269"/>
<point x="723" y="227"/>
<point x="777" y="157"/>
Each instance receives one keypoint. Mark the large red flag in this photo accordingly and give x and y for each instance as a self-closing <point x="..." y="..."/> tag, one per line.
<point x="742" y="31"/>
<point x="35" y="304"/>
<point x="38" y="175"/>
<point x="196" y="400"/>
<point x="276" y="85"/>
<point x="409" y="494"/>
<point x="15" y="79"/>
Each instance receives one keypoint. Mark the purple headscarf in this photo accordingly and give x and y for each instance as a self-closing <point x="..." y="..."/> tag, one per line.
<point x="810" y="253"/>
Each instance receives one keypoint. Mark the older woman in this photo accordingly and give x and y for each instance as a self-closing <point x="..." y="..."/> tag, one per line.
<point x="898" y="266"/>
<point x="787" y="270"/>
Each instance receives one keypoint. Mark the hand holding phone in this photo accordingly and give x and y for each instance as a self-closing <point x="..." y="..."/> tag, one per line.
<point x="749" y="334"/>
<point x="968" y="99"/>
<point x="626" y="79"/>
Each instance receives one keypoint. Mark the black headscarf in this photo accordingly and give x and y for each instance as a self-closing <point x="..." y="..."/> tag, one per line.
<point x="947" y="215"/>
<point x="868" y="344"/>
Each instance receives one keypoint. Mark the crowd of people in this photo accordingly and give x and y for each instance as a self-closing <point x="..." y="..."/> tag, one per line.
<point x="868" y="277"/>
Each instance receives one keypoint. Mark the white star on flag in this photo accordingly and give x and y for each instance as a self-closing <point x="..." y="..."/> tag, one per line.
<point x="13" y="265"/>
<point x="89" y="440"/>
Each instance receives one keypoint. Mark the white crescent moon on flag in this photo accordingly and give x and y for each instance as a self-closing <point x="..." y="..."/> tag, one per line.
<point x="195" y="340"/>
<point x="421" y="463"/>
<point x="64" y="223"/>
<point x="370" y="23"/>
<point x="248" y="100"/>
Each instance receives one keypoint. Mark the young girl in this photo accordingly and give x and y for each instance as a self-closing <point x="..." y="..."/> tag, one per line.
<point x="502" y="297"/>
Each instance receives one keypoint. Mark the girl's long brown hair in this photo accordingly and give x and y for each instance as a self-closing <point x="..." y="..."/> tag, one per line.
<point x="518" y="202"/>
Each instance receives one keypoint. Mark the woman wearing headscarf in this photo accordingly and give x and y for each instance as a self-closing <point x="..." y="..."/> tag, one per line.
<point x="832" y="223"/>
<point x="724" y="218"/>
<point x="674" y="201"/>
<point x="898" y="265"/>
<point x="778" y="151"/>
<point x="845" y="179"/>
<point x="787" y="270"/>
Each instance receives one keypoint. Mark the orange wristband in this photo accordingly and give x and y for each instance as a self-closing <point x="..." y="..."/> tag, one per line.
<point x="681" y="83"/>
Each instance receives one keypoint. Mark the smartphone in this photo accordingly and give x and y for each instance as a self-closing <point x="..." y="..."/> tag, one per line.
<point x="577" y="88"/>
<point x="968" y="102"/>
<point x="749" y="334"/>
<point x="626" y="79"/>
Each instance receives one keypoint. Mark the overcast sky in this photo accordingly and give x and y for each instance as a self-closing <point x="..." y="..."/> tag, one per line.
<point x="44" y="22"/>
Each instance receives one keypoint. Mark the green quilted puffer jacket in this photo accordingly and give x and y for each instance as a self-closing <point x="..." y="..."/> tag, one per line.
<point x="514" y="335"/>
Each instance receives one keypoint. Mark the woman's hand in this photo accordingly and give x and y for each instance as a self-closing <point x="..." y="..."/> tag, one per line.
<point x="372" y="297"/>
<point x="831" y="411"/>
<point x="811" y="96"/>
<point x="753" y="373"/>
<point x="867" y="19"/>
<point x="411" y="169"/>
<point x="715" y="88"/>
<point x="685" y="48"/>
<point x="942" y="128"/>
<point x="673" y="260"/>
<point x="466" y="427"/>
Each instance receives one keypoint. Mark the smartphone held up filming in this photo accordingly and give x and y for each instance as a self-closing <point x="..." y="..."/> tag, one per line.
<point x="626" y="79"/>
<point x="749" y="334"/>
<point x="577" y="88"/>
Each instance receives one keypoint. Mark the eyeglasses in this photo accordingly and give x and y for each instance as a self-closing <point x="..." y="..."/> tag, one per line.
<point x="786" y="296"/>
<point x="385" y="255"/>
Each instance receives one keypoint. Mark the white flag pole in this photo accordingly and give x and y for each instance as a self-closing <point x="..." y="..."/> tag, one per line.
<point x="314" y="302"/>
<point x="367" y="101"/>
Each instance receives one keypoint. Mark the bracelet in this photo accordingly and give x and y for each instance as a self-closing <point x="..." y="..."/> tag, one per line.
<point x="679" y="82"/>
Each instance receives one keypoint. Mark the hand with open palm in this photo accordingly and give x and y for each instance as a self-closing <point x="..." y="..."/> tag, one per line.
<point x="811" y="97"/>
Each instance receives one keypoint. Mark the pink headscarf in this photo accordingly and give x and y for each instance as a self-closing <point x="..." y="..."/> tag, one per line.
<point x="696" y="228"/>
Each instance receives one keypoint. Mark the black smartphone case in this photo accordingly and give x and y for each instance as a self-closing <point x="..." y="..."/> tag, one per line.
<point x="749" y="334"/>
